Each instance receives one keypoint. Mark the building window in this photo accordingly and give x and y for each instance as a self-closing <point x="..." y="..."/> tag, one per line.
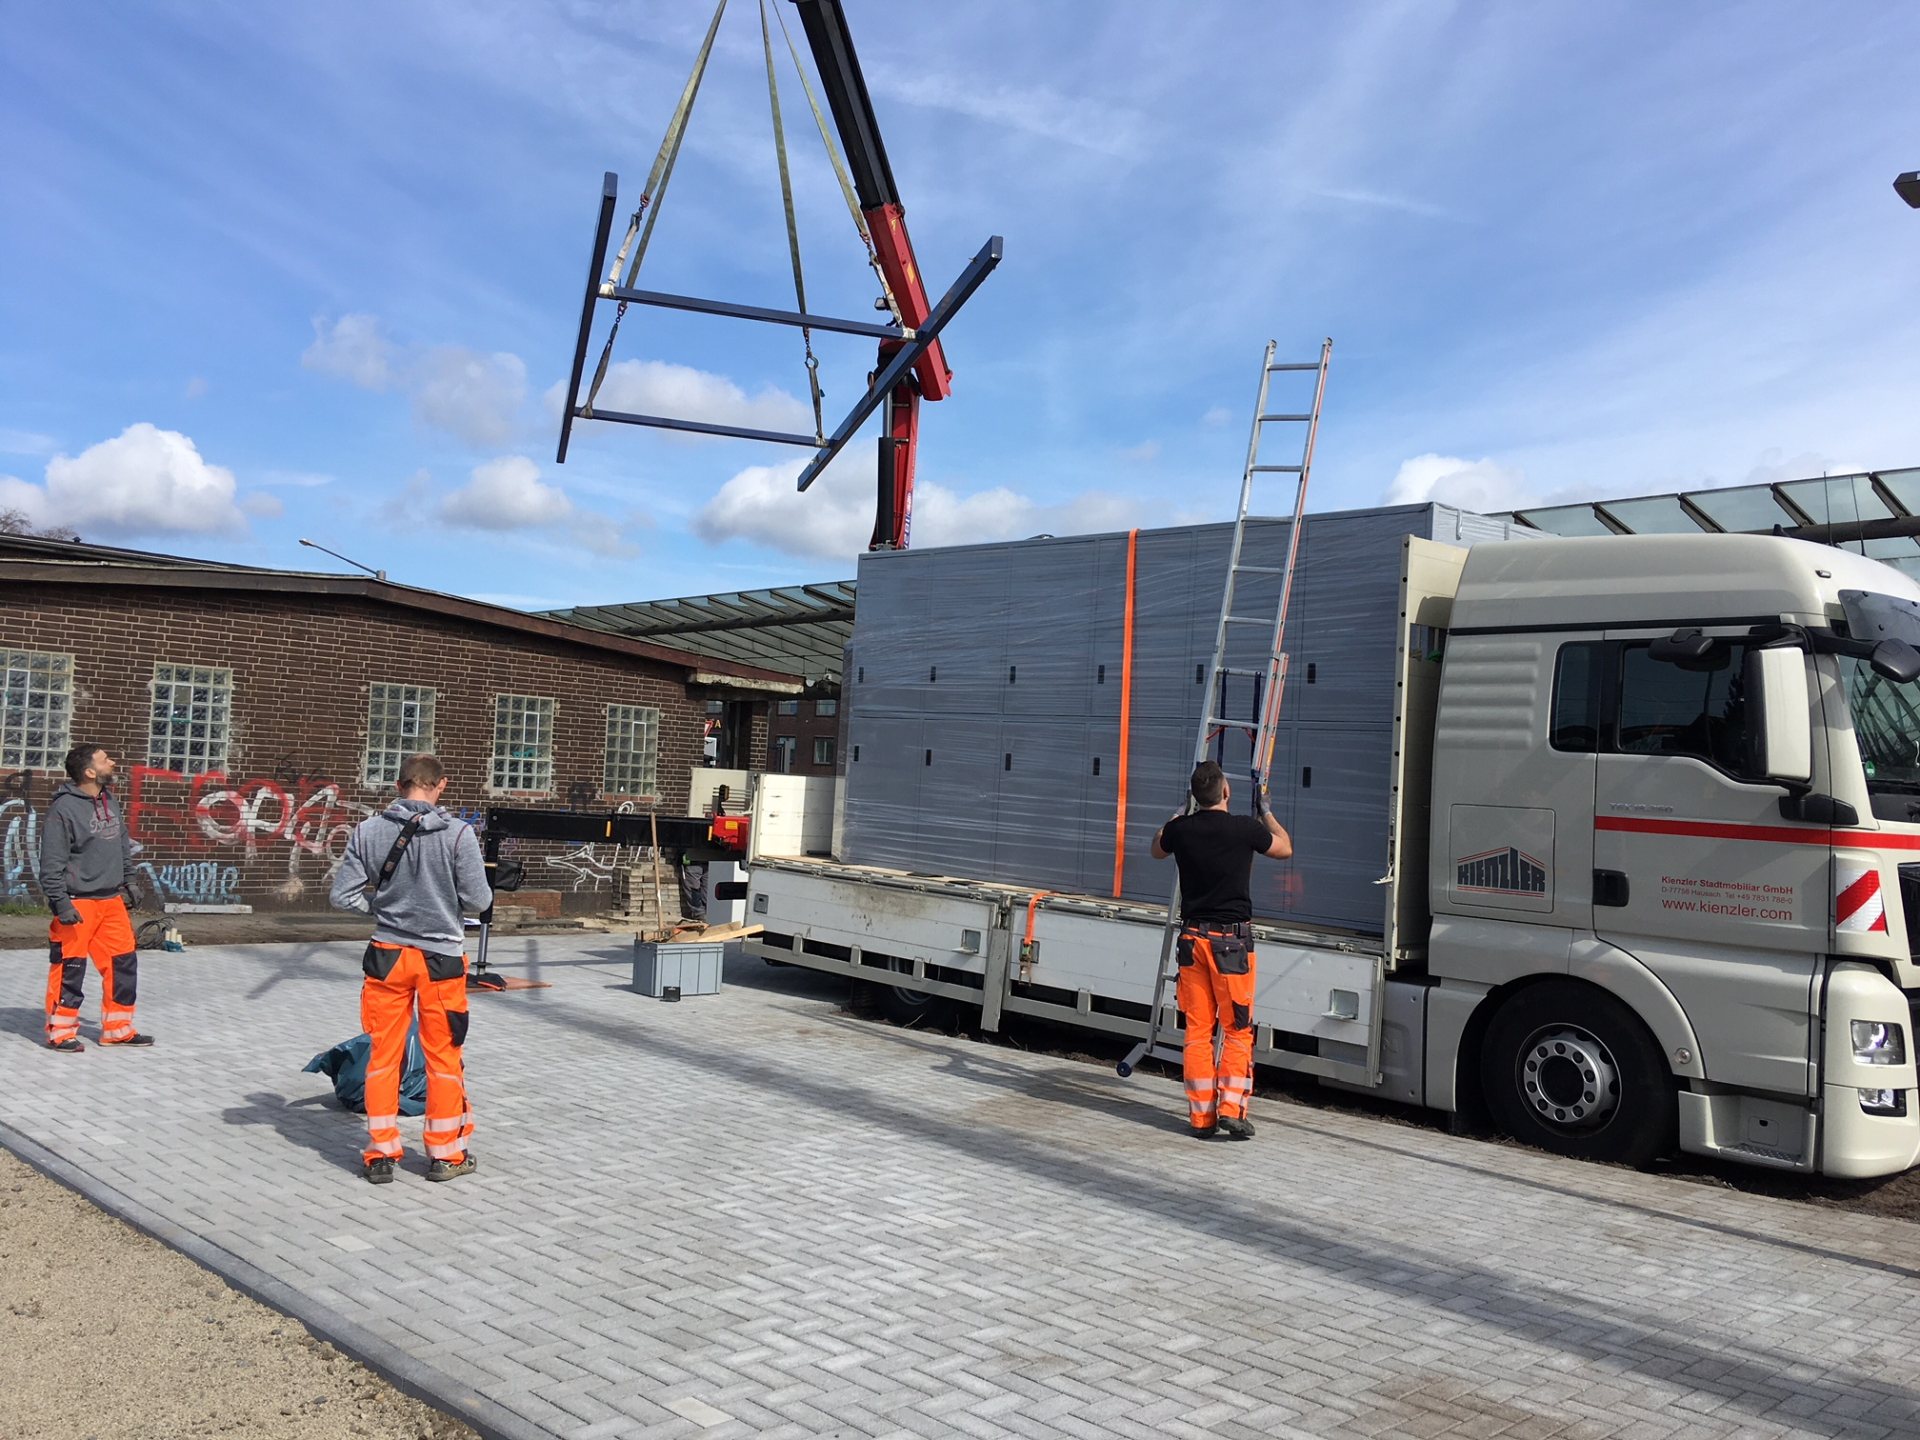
<point x="716" y="707"/>
<point x="823" y="751"/>
<point x="399" y="724"/>
<point x="788" y="707"/>
<point x="38" y="710"/>
<point x="824" y="708"/>
<point x="783" y="748"/>
<point x="192" y="717"/>
<point x="522" y="743"/>
<point x="633" y="750"/>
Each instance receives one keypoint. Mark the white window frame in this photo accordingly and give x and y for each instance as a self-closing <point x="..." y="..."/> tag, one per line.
<point x="387" y="746"/>
<point x="633" y="751"/>
<point x="786" y="707"/>
<point x="826" y="740"/>
<point x="786" y="750"/>
<point x="826" y="707"/>
<point x="35" y="682"/>
<point x="186" y="698"/>
<point x="522" y="723"/>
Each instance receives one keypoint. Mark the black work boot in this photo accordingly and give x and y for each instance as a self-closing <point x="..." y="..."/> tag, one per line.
<point x="1235" y="1129"/>
<point x="70" y="1045"/>
<point x="379" y="1172"/>
<point x="1203" y="1132"/>
<point x="131" y="1040"/>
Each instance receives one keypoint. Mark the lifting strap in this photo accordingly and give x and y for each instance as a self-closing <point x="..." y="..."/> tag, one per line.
<point x="654" y="193"/>
<point x="793" y="228"/>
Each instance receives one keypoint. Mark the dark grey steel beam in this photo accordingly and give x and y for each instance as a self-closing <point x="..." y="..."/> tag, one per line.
<point x="662" y="300"/>
<point x="609" y="188"/>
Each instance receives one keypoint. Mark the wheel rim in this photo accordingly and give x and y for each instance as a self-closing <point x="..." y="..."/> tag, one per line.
<point x="906" y="998"/>
<point x="1567" y="1077"/>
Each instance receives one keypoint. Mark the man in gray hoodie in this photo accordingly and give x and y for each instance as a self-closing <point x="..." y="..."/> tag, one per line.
<point x="86" y="870"/>
<point x="416" y="870"/>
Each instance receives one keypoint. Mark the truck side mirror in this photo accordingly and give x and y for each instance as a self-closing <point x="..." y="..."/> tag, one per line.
<point x="1779" y="726"/>
<point x="1896" y="660"/>
<point x="1690" y="650"/>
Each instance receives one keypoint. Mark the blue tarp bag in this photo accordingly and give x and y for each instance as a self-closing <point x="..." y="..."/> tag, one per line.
<point x="346" y="1065"/>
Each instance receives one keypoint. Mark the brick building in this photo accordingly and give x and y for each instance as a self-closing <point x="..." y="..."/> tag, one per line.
<point x="261" y="714"/>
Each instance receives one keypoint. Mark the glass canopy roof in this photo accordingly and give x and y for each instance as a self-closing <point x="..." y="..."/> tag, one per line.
<point x="1885" y="502"/>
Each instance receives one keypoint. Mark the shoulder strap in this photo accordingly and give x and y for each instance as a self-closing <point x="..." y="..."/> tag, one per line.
<point x="400" y="843"/>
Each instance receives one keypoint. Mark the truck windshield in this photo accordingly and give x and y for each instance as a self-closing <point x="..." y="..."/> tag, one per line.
<point x="1886" y="713"/>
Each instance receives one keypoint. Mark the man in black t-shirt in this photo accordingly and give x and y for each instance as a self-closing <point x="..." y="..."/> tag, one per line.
<point x="1215" y="851"/>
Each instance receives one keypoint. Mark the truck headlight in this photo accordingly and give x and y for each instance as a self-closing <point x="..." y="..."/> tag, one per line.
<point x="1879" y="1042"/>
<point x="1884" y="1102"/>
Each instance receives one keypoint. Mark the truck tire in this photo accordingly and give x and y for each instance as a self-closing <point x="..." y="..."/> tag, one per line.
<point x="1569" y="1068"/>
<point x="875" y="1000"/>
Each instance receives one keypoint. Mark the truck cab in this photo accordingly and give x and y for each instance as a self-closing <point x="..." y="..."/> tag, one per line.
<point x="1673" y="837"/>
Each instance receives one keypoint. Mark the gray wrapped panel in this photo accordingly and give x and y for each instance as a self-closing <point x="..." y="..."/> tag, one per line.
<point x="1012" y="793"/>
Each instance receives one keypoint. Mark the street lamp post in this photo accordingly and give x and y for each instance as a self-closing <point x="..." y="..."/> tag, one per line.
<point x="377" y="574"/>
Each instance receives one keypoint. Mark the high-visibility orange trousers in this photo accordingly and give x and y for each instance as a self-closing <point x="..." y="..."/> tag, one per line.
<point x="1216" y="989"/>
<point x="398" y="977"/>
<point x="104" y="936"/>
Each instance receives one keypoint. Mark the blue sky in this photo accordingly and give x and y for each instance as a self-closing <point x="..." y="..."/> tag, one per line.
<point x="280" y="271"/>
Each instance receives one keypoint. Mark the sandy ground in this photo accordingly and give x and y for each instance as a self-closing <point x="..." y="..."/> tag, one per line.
<point x="109" y="1334"/>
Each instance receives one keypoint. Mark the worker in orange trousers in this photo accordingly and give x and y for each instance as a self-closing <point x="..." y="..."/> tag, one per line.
<point x="86" y="873"/>
<point x="1214" y="849"/>
<point x="416" y="870"/>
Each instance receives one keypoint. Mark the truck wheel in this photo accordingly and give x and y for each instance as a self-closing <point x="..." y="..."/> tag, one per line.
<point x="898" y="1005"/>
<point x="1569" y="1068"/>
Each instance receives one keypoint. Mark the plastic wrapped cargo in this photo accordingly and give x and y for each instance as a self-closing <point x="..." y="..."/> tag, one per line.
<point x="1026" y="711"/>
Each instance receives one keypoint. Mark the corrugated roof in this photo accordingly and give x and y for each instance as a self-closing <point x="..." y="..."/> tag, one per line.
<point x="1875" y="513"/>
<point x="800" y="629"/>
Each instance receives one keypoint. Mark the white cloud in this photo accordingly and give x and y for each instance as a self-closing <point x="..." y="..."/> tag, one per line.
<point x="263" y="506"/>
<point x="1144" y="453"/>
<point x="294" y="479"/>
<point x="474" y="396"/>
<point x="352" y="348"/>
<point x="144" y="481"/>
<point x="1216" y="417"/>
<point x="834" y="521"/>
<point x="506" y="494"/>
<point x="680" y="392"/>
<point x="26" y="442"/>
<point x="1480" y="485"/>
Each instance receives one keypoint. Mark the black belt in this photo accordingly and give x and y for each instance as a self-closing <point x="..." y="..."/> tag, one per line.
<point x="1239" y="930"/>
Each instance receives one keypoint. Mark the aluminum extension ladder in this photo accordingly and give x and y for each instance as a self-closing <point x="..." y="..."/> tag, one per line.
<point x="1272" y="676"/>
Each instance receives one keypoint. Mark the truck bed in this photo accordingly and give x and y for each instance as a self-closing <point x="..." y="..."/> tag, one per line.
<point x="1092" y="962"/>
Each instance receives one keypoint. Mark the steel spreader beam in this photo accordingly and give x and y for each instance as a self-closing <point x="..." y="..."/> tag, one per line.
<point x="904" y="359"/>
<point x="609" y="193"/>
<point x="662" y="300"/>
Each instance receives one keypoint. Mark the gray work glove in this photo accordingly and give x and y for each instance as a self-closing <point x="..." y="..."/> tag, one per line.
<point x="69" y="916"/>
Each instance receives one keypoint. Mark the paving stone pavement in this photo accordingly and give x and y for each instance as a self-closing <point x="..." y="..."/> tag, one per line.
<point x="750" y="1214"/>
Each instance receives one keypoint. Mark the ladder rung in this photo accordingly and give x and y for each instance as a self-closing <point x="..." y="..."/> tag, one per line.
<point x="1248" y="620"/>
<point x="1241" y="721"/>
<point x="1259" y="569"/>
<point x="1278" y="469"/>
<point x="1265" y="418"/>
<point x="1300" y="365"/>
<point x="1239" y="670"/>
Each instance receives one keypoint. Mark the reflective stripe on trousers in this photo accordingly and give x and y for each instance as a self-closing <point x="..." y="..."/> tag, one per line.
<point x="1215" y="991"/>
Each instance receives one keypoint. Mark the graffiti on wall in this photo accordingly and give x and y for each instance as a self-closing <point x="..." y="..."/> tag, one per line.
<point x="193" y="882"/>
<point x="307" y="818"/>
<point x="19" y="839"/>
